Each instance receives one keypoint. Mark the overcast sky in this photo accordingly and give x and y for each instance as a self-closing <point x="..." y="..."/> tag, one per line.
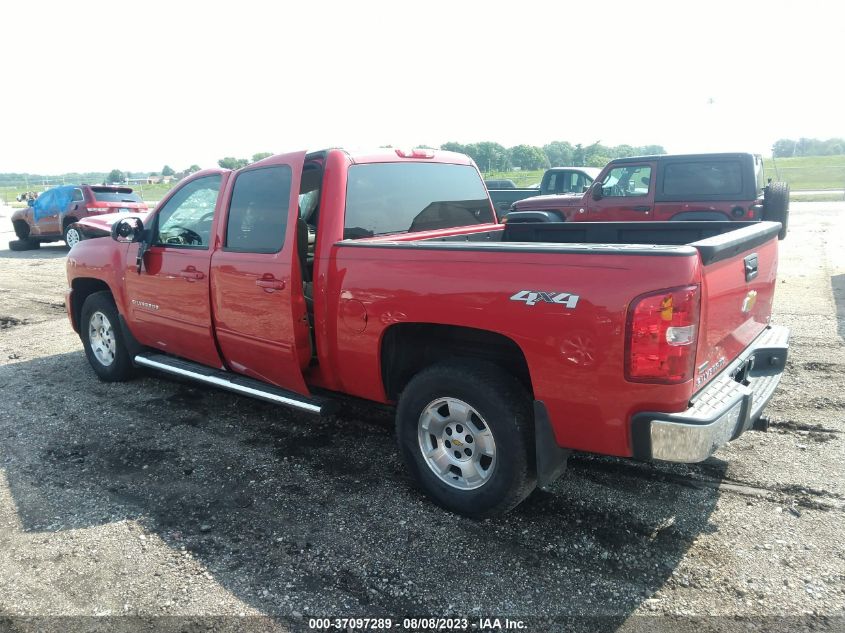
<point x="92" y="86"/>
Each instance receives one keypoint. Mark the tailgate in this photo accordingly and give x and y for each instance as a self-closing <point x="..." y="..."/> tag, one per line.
<point x="738" y="285"/>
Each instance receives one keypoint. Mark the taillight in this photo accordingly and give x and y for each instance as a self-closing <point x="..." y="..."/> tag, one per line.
<point x="661" y="336"/>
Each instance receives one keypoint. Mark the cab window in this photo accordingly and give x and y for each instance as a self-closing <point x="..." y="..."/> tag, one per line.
<point x="77" y="196"/>
<point x="626" y="181"/>
<point x="185" y="220"/>
<point x="258" y="213"/>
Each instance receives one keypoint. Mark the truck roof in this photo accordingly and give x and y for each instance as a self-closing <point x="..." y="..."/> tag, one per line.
<point x="663" y="157"/>
<point x="396" y="154"/>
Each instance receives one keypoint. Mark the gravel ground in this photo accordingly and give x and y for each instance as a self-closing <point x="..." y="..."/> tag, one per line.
<point x="160" y="498"/>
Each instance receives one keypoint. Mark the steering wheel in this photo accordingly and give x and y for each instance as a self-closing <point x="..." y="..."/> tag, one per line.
<point x="208" y="216"/>
<point x="186" y="236"/>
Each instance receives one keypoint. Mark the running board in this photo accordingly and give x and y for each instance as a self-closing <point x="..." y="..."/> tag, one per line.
<point x="235" y="382"/>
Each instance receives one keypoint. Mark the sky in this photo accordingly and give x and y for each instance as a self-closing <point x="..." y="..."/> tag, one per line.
<point x="94" y="86"/>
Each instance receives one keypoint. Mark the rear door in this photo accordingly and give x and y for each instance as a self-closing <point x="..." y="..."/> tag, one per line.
<point x="169" y="299"/>
<point x="627" y="195"/>
<point x="260" y="315"/>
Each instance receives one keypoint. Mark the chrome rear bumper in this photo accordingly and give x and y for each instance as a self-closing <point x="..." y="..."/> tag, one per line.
<point x="720" y="412"/>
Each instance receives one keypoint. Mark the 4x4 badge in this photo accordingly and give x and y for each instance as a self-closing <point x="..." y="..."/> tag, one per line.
<point x="533" y="297"/>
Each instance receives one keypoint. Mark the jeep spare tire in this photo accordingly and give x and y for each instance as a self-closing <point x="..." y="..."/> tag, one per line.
<point x="24" y="245"/>
<point x="776" y="205"/>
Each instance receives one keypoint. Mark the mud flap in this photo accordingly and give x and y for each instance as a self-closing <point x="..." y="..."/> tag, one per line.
<point x="550" y="458"/>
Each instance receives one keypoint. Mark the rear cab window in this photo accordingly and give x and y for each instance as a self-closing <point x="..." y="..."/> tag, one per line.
<point x="386" y="198"/>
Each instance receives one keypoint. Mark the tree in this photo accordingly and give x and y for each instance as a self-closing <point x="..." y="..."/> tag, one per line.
<point x="528" y="157"/>
<point x="167" y="170"/>
<point x="116" y="176"/>
<point x="559" y="153"/>
<point x="232" y="163"/>
<point x="261" y="156"/>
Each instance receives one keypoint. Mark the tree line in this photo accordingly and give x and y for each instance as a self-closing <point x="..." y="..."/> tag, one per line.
<point x="787" y="147"/>
<point x="491" y="156"/>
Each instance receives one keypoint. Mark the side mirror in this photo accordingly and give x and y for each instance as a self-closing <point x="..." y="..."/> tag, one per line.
<point x="127" y="230"/>
<point x="598" y="191"/>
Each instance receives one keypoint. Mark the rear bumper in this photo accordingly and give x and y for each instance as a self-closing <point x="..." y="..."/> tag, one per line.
<point x="719" y="413"/>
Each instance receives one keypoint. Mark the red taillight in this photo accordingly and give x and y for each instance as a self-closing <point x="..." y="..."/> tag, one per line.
<point x="661" y="336"/>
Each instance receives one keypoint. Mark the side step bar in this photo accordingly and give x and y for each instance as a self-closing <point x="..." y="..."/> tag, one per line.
<point x="235" y="382"/>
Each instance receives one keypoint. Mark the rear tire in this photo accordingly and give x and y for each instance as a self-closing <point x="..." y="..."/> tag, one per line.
<point x="24" y="245"/>
<point x="102" y="338"/>
<point x="72" y="236"/>
<point x="465" y="434"/>
<point x="776" y="205"/>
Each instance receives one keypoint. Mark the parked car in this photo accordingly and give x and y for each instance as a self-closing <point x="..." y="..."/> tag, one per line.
<point x="500" y="184"/>
<point x="723" y="187"/>
<point x="556" y="181"/>
<point x="52" y="215"/>
<point x="385" y="276"/>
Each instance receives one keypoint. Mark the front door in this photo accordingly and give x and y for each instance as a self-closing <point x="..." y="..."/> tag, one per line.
<point x="627" y="194"/>
<point x="169" y="307"/>
<point x="256" y="283"/>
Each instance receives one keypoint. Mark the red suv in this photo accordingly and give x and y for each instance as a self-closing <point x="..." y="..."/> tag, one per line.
<point x="49" y="218"/>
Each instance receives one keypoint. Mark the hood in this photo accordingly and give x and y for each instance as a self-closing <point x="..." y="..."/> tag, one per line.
<point x="549" y="202"/>
<point x="98" y="225"/>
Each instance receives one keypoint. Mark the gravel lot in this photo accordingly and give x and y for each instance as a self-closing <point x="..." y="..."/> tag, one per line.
<point x="160" y="498"/>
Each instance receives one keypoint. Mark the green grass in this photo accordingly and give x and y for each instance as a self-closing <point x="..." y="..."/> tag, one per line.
<point x="803" y="172"/>
<point x="808" y="172"/>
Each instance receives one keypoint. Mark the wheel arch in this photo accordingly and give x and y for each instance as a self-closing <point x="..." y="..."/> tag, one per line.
<point x="84" y="287"/>
<point x="408" y="348"/>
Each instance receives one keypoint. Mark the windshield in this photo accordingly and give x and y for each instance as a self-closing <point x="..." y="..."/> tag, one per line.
<point x="384" y="198"/>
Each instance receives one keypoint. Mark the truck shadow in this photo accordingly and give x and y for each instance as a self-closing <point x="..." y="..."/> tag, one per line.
<point x="290" y="513"/>
<point x="837" y="283"/>
<point x="47" y="251"/>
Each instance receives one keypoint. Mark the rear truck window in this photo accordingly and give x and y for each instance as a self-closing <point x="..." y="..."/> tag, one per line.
<point x="723" y="177"/>
<point x="384" y="198"/>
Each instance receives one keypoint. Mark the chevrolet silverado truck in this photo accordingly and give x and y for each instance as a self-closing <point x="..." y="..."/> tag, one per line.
<point x="696" y="187"/>
<point x="308" y="277"/>
<point x="556" y="181"/>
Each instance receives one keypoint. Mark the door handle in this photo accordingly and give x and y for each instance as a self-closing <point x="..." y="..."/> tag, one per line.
<point x="644" y="207"/>
<point x="191" y="274"/>
<point x="268" y="282"/>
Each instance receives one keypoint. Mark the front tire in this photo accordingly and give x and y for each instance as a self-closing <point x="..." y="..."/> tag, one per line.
<point x="776" y="205"/>
<point x="465" y="432"/>
<point x="99" y="329"/>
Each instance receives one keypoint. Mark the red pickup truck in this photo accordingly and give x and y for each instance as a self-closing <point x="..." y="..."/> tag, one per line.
<point x="387" y="277"/>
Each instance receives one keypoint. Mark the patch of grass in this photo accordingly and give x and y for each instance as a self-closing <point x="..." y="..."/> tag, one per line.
<point x="808" y="172"/>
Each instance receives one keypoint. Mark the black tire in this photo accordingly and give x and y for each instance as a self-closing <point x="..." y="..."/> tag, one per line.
<point x="72" y="235"/>
<point x="776" y="205"/>
<point x="24" y="245"/>
<point x="21" y="229"/>
<point x="120" y="368"/>
<point x="503" y="407"/>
